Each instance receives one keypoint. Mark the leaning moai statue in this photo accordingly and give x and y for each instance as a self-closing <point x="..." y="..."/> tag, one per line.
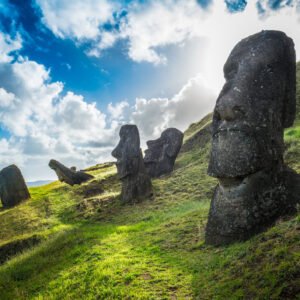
<point x="13" y="189"/>
<point x="69" y="176"/>
<point x="161" y="153"/>
<point x="136" y="183"/>
<point x="255" y="105"/>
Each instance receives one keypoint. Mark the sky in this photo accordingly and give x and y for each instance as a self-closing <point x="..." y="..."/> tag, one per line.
<point x="72" y="72"/>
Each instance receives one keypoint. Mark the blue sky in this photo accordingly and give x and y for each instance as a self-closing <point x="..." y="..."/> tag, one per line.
<point x="72" y="72"/>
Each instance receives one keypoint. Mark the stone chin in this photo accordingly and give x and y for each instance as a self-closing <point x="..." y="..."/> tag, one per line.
<point x="122" y="172"/>
<point x="148" y="157"/>
<point x="236" y="154"/>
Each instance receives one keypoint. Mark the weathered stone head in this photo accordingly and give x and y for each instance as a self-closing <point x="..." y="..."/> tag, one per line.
<point x="69" y="176"/>
<point x="128" y="151"/>
<point x="255" y="105"/>
<point x="13" y="189"/>
<point x="136" y="183"/>
<point x="161" y="153"/>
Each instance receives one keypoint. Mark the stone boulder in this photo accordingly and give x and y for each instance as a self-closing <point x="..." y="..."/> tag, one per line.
<point x="162" y="152"/>
<point x="136" y="183"/>
<point x="13" y="189"/>
<point x="67" y="175"/>
<point x="255" y="105"/>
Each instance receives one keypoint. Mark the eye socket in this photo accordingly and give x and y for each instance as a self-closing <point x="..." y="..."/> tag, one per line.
<point x="238" y="110"/>
<point x="217" y="115"/>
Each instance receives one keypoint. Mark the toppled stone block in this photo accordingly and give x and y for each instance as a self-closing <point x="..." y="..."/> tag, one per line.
<point x="67" y="175"/>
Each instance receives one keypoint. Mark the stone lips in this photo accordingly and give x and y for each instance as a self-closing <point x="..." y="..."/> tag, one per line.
<point x="161" y="153"/>
<point x="13" y="189"/>
<point x="255" y="105"/>
<point x="136" y="183"/>
<point x="67" y="175"/>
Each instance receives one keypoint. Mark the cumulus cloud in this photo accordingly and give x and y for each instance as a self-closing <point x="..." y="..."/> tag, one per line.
<point x="6" y="99"/>
<point x="148" y="27"/>
<point x="162" y="23"/>
<point x="44" y="122"/>
<point x="76" y="19"/>
<point x="194" y="100"/>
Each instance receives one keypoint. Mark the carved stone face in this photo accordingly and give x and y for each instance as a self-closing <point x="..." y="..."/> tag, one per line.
<point x="162" y="152"/>
<point x="128" y="151"/>
<point x="168" y="145"/>
<point x="256" y="103"/>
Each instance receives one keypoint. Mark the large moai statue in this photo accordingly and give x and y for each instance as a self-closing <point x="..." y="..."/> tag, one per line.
<point x="69" y="176"/>
<point x="13" y="189"/>
<point x="255" y="105"/>
<point x="136" y="183"/>
<point x="161" y="153"/>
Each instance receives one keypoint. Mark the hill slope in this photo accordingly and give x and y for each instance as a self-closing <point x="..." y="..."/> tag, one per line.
<point x="77" y="243"/>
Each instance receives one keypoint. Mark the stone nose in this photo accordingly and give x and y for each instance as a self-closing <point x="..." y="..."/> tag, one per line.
<point x="116" y="152"/>
<point x="229" y="109"/>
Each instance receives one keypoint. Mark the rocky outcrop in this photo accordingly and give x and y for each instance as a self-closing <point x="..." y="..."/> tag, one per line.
<point x="13" y="189"/>
<point x="136" y="183"/>
<point x="67" y="175"/>
<point x="161" y="153"/>
<point x="255" y="105"/>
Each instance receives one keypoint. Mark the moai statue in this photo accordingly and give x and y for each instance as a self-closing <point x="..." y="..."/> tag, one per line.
<point x="13" y="189"/>
<point x="161" y="153"/>
<point x="67" y="175"/>
<point x="136" y="183"/>
<point x="255" y="105"/>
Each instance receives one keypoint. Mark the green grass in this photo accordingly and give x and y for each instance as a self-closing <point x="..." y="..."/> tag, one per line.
<point x="96" y="248"/>
<point x="195" y="127"/>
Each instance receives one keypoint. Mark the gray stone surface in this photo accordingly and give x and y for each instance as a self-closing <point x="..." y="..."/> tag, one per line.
<point x="161" y="153"/>
<point x="136" y="183"/>
<point x="67" y="175"/>
<point x="13" y="189"/>
<point x="255" y="105"/>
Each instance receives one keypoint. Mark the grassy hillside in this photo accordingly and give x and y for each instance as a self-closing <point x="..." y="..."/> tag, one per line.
<point x="79" y="243"/>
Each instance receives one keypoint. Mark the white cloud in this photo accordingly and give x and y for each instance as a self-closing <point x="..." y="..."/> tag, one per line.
<point x="119" y="111"/>
<point x="43" y="123"/>
<point x="150" y="27"/>
<point x="6" y="99"/>
<point x="163" y="23"/>
<point x="76" y="19"/>
<point x="190" y="104"/>
<point x="8" y="45"/>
